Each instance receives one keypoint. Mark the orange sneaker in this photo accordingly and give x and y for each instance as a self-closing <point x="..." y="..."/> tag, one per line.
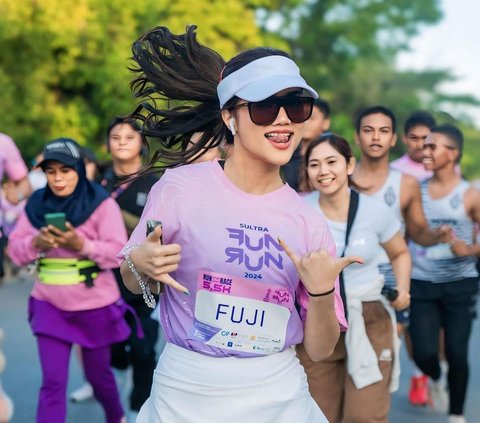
<point x="418" y="394"/>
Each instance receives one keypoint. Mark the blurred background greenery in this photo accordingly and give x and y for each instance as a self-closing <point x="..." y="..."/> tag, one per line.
<point x="64" y="63"/>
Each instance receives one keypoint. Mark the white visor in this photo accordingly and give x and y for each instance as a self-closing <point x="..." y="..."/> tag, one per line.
<point x="261" y="79"/>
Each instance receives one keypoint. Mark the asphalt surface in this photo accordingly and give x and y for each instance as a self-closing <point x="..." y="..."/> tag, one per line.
<point x="22" y="377"/>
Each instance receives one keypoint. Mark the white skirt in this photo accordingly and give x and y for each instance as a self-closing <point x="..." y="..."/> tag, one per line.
<point x="189" y="387"/>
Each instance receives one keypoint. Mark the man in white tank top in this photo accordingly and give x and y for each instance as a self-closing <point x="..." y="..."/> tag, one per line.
<point x="375" y="134"/>
<point x="444" y="277"/>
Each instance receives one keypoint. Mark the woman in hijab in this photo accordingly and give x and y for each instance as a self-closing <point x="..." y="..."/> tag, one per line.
<point x="75" y="299"/>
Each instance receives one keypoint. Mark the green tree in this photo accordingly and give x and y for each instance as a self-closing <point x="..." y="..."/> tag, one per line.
<point x="347" y="51"/>
<point x="64" y="63"/>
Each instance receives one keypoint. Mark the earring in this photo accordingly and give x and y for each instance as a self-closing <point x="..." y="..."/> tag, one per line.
<point x="232" y="126"/>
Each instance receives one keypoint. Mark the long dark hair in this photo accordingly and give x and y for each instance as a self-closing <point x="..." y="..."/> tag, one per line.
<point x="177" y="80"/>
<point x="340" y="144"/>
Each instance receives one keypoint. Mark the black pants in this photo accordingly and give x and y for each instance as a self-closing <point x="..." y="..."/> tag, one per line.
<point x="449" y="305"/>
<point x="140" y="354"/>
<point x="137" y="352"/>
<point x="3" y="244"/>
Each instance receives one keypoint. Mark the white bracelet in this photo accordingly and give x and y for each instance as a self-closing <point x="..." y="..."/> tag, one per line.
<point x="146" y="293"/>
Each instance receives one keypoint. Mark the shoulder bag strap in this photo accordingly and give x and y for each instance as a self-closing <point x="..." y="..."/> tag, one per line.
<point x="352" y="211"/>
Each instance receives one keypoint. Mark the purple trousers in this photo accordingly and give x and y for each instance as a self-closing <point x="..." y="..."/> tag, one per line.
<point x="54" y="358"/>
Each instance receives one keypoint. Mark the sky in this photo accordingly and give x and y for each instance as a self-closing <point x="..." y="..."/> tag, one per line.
<point x="453" y="43"/>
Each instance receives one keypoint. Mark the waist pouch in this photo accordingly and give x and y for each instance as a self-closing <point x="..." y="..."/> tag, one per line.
<point x="67" y="271"/>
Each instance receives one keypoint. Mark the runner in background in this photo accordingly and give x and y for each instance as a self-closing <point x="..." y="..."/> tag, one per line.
<point x="376" y="134"/>
<point x="15" y="189"/>
<point x="127" y="150"/>
<point x="318" y="124"/>
<point x="416" y="129"/>
<point x="444" y="277"/>
<point x="355" y="382"/>
<point x="75" y="299"/>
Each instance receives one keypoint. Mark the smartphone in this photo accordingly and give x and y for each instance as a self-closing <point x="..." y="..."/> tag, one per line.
<point x="151" y="225"/>
<point x="391" y="294"/>
<point x="57" y="220"/>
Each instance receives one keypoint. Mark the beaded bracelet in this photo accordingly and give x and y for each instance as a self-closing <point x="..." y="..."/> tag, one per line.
<point x="144" y="284"/>
<point x="322" y="294"/>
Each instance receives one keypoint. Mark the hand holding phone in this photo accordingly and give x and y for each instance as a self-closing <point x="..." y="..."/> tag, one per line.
<point x="63" y="233"/>
<point x="151" y="225"/>
<point x="172" y="257"/>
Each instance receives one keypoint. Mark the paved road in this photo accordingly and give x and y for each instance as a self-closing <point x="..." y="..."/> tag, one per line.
<point x="22" y="375"/>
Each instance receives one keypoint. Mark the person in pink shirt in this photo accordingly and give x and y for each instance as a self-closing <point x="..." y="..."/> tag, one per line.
<point x="416" y="129"/>
<point x="237" y="248"/>
<point x="14" y="189"/>
<point x="75" y="299"/>
<point x="13" y="166"/>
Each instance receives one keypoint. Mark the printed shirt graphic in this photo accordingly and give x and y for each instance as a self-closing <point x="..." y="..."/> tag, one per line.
<point x="374" y="225"/>
<point x="231" y="262"/>
<point x="437" y="263"/>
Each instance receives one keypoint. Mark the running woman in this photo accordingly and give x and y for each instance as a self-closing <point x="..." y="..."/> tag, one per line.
<point x="75" y="299"/>
<point x="230" y="341"/>
<point x="354" y="383"/>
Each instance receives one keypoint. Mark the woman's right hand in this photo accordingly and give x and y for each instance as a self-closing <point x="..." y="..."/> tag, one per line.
<point x="156" y="260"/>
<point x="402" y="301"/>
<point x="45" y="240"/>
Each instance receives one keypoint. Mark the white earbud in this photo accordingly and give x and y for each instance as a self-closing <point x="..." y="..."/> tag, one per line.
<point x="231" y="125"/>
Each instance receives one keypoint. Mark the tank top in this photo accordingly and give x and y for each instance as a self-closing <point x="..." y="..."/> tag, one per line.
<point x="437" y="263"/>
<point x="389" y="193"/>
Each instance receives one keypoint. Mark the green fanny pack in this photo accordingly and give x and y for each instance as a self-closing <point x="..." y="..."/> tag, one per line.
<point x="67" y="271"/>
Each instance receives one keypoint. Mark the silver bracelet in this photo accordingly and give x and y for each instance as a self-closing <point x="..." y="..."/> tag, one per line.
<point x="32" y="268"/>
<point x="146" y="293"/>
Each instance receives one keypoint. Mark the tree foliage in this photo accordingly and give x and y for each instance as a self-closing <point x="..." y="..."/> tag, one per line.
<point x="347" y="50"/>
<point x="64" y="63"/>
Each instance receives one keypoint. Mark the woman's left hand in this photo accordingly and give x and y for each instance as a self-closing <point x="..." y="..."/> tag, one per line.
<point x="67" y="239"/>
<point x="318" y="270"/>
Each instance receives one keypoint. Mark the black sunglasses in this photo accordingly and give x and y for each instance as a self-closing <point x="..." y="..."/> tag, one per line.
<point x="298" y="109"/>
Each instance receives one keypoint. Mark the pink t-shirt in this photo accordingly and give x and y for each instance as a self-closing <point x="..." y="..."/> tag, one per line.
<point x="104" y="233"/>
<point x="406" y="165"/>
<point x="242" y="283"/>
<point x="11" y="163"/>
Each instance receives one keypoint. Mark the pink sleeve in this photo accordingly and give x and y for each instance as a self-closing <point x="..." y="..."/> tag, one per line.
<point x="302" y="296"/>
<point x="111" y="235"/>
<point x="14" y="166"/>
<point x="20" y="248"/>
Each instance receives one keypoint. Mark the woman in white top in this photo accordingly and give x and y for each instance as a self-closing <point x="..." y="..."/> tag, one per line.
<point x="354" y="383"/>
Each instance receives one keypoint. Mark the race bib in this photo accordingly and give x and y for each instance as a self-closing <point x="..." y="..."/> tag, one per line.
<point x="240" y="314"/>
